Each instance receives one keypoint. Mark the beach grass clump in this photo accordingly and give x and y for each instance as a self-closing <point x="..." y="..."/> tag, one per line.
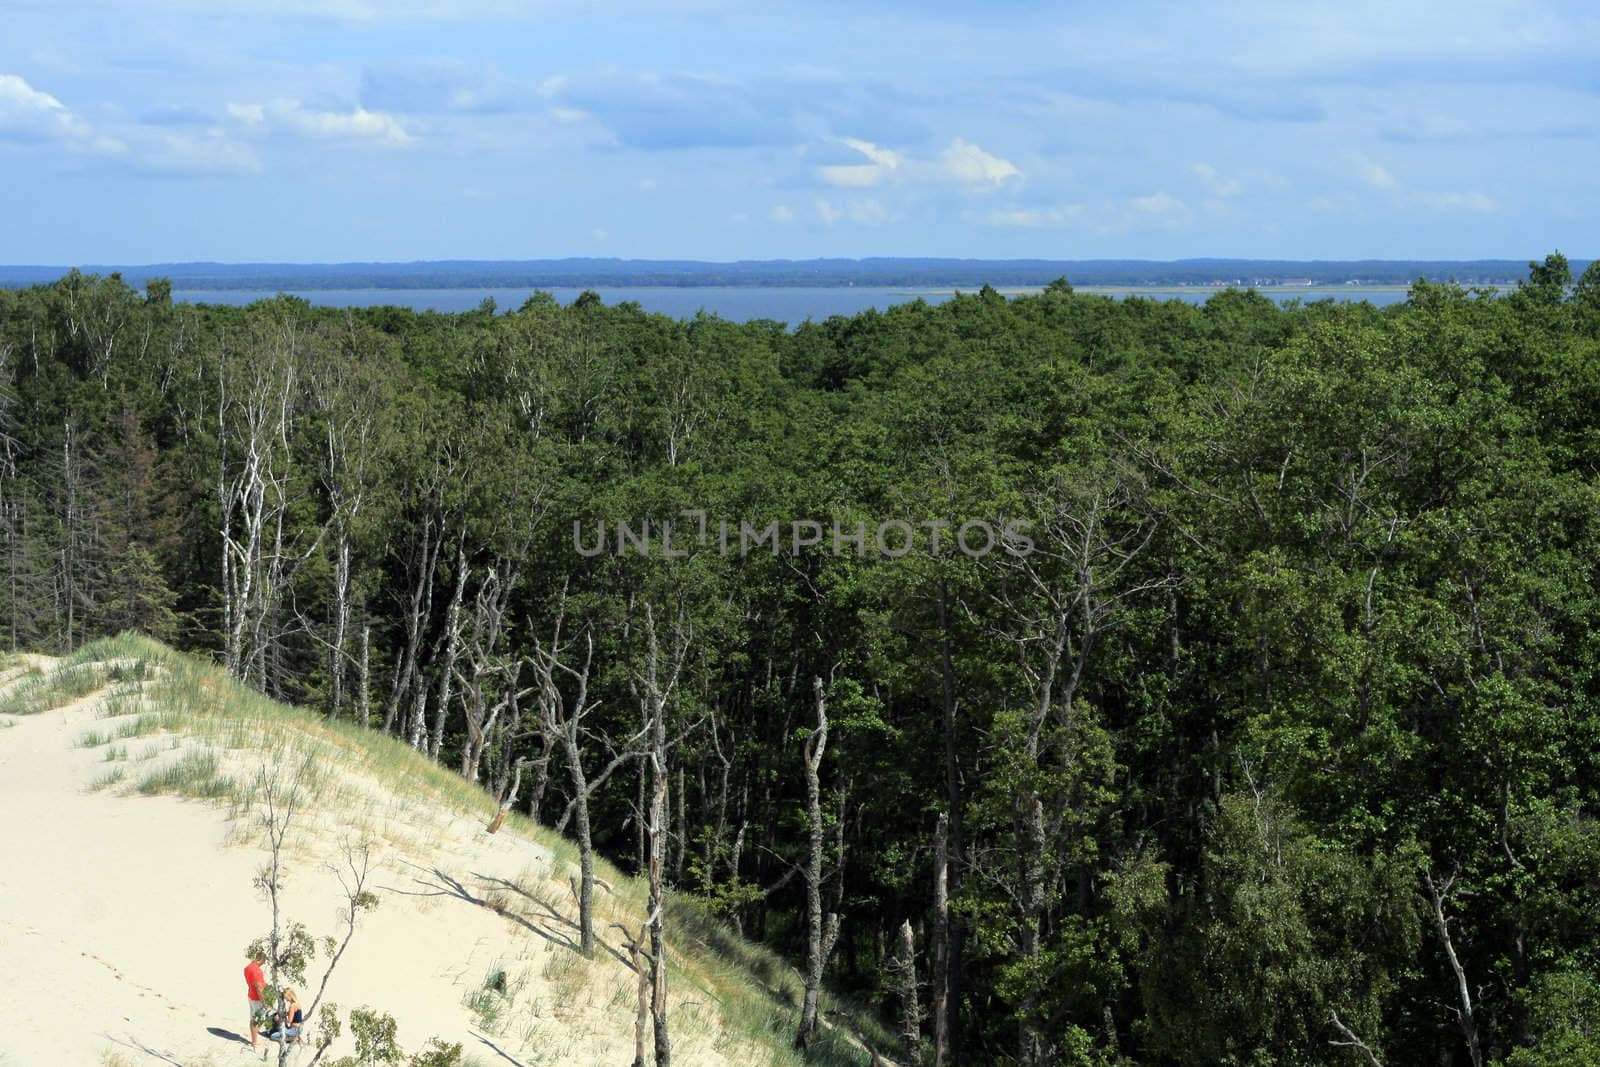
<point x="194" y="774"/>
<point x="48" y="690"/>
<point x="102" y="782"/>
<point x="490" y="1000"/>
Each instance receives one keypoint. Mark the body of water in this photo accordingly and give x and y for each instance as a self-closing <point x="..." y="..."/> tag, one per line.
<point x="738" y="304"/>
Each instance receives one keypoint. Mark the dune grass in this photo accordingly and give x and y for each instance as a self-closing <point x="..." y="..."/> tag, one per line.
<point x="213" y="736"/>
<point x="42" y="691"/>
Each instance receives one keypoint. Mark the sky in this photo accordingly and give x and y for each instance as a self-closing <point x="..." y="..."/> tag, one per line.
<point x="398" y="130"/>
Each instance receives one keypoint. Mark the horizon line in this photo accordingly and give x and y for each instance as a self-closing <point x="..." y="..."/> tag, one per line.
<point x="776" y="260"/>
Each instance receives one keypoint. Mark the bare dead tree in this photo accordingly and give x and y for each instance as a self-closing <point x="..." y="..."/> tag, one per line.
<point x="563" y="718"/>
<point x="1466" y="1022"/>
<point x="364" y="679"/>
<point x="490" y="683"/>
<point x="419" y="554"/>
<point x="639" y="959"/>
<point x="508" y="799"/>
<point x="256" y="404"/>
<point x="819" y="936"/>
<point x="654" y="689"/>
<point x="345" y="390"/>
<point x="452" y="652"/>
<point x="904" y="971"/>
<point x="420" y="558"/>
<point x="1350" y="1040"/>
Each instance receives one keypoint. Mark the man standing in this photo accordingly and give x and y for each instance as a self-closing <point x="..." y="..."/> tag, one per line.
<point x="254" y="982"/>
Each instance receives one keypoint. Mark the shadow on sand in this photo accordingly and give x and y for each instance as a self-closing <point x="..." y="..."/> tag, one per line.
<point x="498" y="1051"/>
<point x="437" y="883"/>
<point x="136" y="1045"/>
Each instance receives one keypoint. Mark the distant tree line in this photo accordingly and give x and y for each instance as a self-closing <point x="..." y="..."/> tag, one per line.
<point x="882" y="272"/>
<point x="1279" y="746"/>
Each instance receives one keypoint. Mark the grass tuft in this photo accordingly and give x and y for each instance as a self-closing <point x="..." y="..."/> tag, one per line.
<point x="110" y="778"/>
<point x="47" y="691"/>
<point x="195" y="774"/>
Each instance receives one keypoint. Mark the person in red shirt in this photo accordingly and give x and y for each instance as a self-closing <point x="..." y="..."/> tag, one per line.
<point x="254" y="982"/>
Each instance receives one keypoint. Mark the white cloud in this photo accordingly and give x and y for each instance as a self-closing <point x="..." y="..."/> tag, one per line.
<point x="30" y="114"/>
<point x="962" y="162"/>
<point x="1451" y="201"/>
<point x="1217" y="183"/>
<point x="781" y="214"/>
<point x="827" y="212"/>
<point x="1376" y="175"/>
<point x="1159" y="204"/>
<point x="1036" y="218"/>
<point x="883" y="163"/>
<point x="289" y="114"/>
<point x="177" y="153"/>
<point x="249" y="114"/>
<point x="21" y="103"/>
<point x="971" y="165"/>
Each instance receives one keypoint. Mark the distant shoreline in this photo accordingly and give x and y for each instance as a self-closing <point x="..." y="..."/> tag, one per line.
<point x="911" y="275"/>
<point x="1180" y="290"/>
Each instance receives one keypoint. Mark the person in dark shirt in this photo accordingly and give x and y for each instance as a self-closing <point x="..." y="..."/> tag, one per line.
<point x="294" y="1016"/>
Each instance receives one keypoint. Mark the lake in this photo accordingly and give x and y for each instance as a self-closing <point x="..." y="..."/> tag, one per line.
<point x="738" y="304"/>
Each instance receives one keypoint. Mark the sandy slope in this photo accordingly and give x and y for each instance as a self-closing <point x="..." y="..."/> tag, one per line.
<point x="123" y="918"/>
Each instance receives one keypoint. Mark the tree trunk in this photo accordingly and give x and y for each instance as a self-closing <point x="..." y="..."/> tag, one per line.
<point x="906" y="979"/>
<point x="941" y="943"/>
<point x="950" y="991"/>
<point x="1466" y="1021"/>
<point x="452" y="650"/>
<point x="580" y="792"/>
<point x="811" y="754"/>
<point x="658" y="942"/>
<point x="366" y="675"/>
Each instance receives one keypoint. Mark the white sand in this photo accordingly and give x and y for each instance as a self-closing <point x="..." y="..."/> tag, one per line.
<point x="123" y="921"/>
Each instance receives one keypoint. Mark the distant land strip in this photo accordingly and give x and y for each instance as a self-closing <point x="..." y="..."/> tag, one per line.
<point x="784" y="273"/>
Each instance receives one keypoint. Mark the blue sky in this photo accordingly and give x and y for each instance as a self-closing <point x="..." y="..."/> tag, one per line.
<point x="318" y="130"/>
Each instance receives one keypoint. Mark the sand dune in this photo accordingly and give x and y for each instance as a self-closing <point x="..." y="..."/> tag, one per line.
<point x="123" y="917"/>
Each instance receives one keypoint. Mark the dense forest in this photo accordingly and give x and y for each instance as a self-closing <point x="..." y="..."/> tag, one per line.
<point x="1274" y="741"/>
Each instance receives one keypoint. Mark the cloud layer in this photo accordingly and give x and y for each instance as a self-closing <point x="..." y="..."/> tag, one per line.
<point x="467" y="128"/>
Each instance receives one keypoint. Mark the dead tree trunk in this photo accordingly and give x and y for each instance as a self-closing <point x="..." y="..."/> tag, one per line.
<point x="1466" y="1022"/>
<point x="564" y="720"/>
<point x="420" y="563"/>
<point x="811" y="754"/>
<point x="638" y="958"/>
<point x="905" y="973"/>
<point x="659" y="681"/>
<point x="489" y="688"/>
<point x="452" y="651"/>
<point x="1351" y="1041"/>
<point x="510" y="798"/>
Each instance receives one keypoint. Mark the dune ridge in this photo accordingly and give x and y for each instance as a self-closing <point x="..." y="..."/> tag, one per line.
<point x="128" y="774"/>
